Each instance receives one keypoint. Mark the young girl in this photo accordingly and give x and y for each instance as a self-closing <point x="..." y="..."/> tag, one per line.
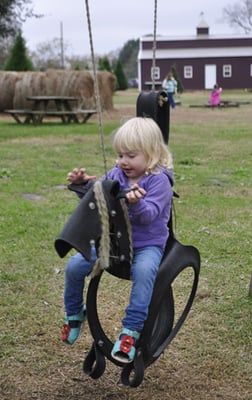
<point x="145" y="166"/>
<point x="215" y="95"/>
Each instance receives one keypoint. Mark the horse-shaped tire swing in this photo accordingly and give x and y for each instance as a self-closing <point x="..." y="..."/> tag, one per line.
<point x="85" y="228"/>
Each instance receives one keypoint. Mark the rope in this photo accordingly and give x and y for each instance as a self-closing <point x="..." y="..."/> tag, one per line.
<point x="102" y="261"/>
<point x="128" y="225"/>
<point x="154" y="45"/>
<point x="96" y="87"/>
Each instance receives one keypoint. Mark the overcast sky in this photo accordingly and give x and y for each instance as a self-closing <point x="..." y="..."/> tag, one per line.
<point x="114" y="22"/>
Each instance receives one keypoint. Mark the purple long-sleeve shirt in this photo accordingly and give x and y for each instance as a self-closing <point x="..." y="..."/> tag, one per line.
<point x="150" y="215"/>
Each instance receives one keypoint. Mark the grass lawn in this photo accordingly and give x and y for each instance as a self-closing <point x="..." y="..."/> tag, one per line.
<point x="211" y="357"/>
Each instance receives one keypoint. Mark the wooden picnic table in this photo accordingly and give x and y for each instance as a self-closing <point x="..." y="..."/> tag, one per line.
<point x="51" y="106"/>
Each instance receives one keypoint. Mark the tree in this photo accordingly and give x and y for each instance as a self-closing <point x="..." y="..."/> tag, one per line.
<point x="78" y="63"/>
<point x="48" y="55"/>
<point x="121" y="81"/>
<point x="128" y="56"/>
<point x="104" y="64"/>
<point x="12" y="14"/>
<point x="18" y="59"/>
<point x="239" y="15"/>
<point x="5" y="46"/>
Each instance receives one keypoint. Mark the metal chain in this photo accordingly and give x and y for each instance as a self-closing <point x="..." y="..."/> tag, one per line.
<point x="96" y="88"/>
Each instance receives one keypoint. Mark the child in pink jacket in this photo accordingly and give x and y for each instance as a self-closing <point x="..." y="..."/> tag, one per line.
<point x="215" y="96"/>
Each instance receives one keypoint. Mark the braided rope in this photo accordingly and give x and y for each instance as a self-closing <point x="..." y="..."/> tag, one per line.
<point x="102" y="261"/>
<point x="154" y="46"/>
<point x="96" y="87"/>
<point x="128" y="225"/>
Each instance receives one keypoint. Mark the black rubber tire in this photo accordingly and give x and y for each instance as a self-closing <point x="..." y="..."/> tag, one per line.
<point x="94" y="364"/>
<point x="159" y="329"/>
<point x="132" y="374"/>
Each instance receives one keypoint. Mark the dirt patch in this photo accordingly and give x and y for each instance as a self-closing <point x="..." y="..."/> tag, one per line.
<point x="53" y="371"/>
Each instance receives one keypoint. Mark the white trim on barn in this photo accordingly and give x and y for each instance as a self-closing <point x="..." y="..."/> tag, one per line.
<point x="212" y="52"/>
<point x="190" y="38"/>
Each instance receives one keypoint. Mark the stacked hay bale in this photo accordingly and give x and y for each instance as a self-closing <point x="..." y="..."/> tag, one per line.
<point x="106" y="88"/>
<point x="15" y="87"/>
<point x="72" y="83"/>
<point x="28" y="84"/>
<point x="8" y="82"/>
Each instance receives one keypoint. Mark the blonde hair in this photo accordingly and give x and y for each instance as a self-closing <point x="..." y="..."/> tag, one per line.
<point x="143" y="134"/>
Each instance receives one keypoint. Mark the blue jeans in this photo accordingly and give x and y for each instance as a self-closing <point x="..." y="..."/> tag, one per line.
<point x="171" y="100"/>
<point x="144" y="268"/>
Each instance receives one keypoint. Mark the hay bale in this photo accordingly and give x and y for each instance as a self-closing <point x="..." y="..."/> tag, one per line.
<point x="8" y="81"/>
<point x="82" y="86"/>
<point x="71" y="83"/>
<point x="78" y="84"/>
<point x="106" y="82"/>
<point x="30" y="84"/>
<point x="55" y="82"/>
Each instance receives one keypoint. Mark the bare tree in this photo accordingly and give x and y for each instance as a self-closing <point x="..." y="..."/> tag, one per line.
<point x="48" y="54"/>
<point x="239" y="15"/>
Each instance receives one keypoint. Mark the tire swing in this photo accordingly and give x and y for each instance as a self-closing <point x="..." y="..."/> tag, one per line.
<point x="160" y="327"/>
<point x="85" y="228"/>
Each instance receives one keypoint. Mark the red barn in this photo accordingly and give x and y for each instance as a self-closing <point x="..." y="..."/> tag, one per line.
<point x="201" y="60"/>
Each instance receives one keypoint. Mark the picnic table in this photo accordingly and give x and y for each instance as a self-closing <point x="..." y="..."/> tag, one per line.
<point x="51" y="106"/>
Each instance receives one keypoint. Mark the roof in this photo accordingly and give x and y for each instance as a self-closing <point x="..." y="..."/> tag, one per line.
<point x="166" y="38"/>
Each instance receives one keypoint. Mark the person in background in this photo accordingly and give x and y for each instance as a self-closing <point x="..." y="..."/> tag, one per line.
<point x="145" y="168"/>
<point x="215" y="95"/>
<point x="170" y="86"/>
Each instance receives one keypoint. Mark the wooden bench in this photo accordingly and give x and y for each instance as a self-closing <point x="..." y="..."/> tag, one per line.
<point x="37" y="116"/>
<point x="157" y="85"/>
<point x="222" y="105"/>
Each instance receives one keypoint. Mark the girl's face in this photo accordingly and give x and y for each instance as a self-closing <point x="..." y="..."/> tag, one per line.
<point x="133" y="164"/>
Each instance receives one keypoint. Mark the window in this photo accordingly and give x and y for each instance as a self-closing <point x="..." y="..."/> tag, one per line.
<point x="227" y="71"/>
<point x="250" y="69"/>
<point x="155" y="73"/>
<point x="188" y="71"/>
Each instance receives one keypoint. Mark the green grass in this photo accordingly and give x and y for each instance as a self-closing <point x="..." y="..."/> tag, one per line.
<point x="211" y="356"/>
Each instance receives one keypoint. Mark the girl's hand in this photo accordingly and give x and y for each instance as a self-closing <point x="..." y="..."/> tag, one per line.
<point x="135" y="194"/>
<point x="79" y="176"/>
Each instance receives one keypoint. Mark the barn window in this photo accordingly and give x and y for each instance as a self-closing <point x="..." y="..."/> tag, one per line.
<point x="227" y="71"/>
<point x="188" y="71"/>
<point x="155" y="73"/>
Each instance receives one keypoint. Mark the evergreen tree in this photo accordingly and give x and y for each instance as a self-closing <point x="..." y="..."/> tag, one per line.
<point x="128" y="56"/>
<point x="18" y="59"/>
<point x="121" y="80"/>
<point x="104" y="64"/>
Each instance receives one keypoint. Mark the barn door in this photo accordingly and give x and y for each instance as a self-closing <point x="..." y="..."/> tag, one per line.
<point x="210" y="76"/>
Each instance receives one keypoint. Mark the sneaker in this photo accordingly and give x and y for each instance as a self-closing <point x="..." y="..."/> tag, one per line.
<point x="124" y="348"/>
<point x="72" y="326"/>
